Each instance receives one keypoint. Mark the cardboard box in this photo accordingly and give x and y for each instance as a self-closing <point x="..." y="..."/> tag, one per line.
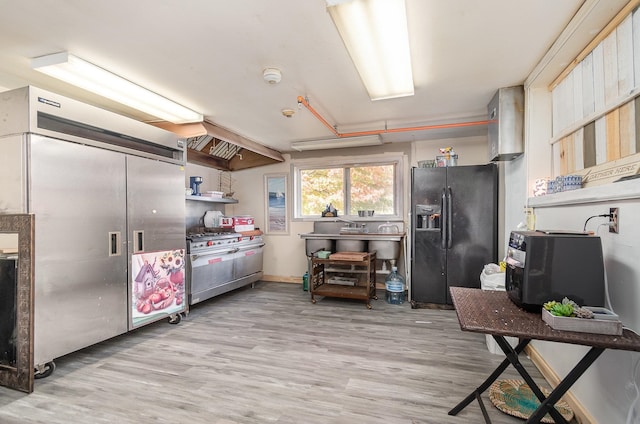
<point x="242" y="220"/>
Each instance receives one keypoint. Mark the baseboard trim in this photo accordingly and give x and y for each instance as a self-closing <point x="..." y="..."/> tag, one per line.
<point x="581" y="414"/>
<point x="279" y="279"/>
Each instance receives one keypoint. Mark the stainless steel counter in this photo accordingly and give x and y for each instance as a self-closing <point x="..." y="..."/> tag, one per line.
<point x="353" y="236"/>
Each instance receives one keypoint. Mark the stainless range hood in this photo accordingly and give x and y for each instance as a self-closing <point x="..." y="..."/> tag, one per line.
<point x="506" y="124"/>
<point x="211" y="145"/>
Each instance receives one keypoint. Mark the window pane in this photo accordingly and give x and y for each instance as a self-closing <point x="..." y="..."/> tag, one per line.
<point x="319" y="187"/>
<point x="372" y="188"/>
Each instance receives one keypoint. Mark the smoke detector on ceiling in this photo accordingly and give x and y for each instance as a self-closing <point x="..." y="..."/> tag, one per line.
<point x="272" y="75"/>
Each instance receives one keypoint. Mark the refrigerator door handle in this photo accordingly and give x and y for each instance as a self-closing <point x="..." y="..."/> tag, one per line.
<point x="138" y="241"/>
<point x="449" y="218"/>
<point x="114" y="243"/>
<point x="444" y="219"/>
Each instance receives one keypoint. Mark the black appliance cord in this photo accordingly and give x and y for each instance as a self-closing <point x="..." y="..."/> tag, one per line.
<point x="604" y="215"/>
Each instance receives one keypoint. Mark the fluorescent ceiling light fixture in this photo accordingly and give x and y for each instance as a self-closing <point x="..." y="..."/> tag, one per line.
<point x="90" y="77"/>
<point x="337" y="143"/>
<point x="376" y="36"/>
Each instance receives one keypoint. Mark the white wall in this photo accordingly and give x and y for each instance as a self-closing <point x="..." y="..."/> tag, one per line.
<point x="284" y="255"/>
<point x="470" y="150"/>
<point x="604" y="390"/>
<point x="210" y="177"/>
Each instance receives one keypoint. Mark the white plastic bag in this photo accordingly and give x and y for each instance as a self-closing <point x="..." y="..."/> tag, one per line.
<point x="491" y="278"/>
<point x="491" y="268"/>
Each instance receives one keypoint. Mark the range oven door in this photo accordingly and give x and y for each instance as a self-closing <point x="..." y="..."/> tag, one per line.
<point x="208" y="271"/>
<point x="248" y="261"/>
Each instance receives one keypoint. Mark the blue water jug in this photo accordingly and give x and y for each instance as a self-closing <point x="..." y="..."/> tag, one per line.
<point x="394" y="287"/>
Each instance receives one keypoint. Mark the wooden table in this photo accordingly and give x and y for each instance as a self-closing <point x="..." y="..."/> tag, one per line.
<point x="492" y="312"/>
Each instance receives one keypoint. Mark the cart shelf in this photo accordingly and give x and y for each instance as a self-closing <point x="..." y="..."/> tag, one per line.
<point x="364" y="271"/>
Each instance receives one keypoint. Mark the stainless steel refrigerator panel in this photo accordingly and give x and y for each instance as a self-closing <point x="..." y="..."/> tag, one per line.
<point x="15" y="111"/>
<point x="32" y="109"/>
<point x="155" y="205"/>
<point x="474" y="217"/>
<point x="13" y="174"/>
<point x="155" y="213"/>
<point x="66" y="162"/>
<point x="78" y="198"/>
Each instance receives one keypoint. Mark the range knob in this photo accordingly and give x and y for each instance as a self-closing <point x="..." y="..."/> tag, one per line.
<point x="210" y="243"/>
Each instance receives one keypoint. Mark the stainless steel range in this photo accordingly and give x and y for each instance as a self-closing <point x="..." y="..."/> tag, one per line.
<point x="219" y="262"/>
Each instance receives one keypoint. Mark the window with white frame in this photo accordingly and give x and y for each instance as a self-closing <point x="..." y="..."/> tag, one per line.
<point x="349" y="186"/>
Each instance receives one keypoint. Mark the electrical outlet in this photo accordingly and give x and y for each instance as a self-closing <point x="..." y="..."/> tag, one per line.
<point x="613" y="220"/>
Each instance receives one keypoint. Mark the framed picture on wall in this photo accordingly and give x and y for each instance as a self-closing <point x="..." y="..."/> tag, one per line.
<point x="276" y="202"/>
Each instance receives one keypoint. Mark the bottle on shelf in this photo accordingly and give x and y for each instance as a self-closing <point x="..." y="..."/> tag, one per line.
<point x="394" y="287"/>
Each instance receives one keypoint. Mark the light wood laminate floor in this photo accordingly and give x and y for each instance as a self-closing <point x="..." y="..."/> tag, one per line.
<point x="267" y="355"/>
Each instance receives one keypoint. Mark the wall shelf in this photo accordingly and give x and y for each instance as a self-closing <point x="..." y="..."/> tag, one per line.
<point x="211" y="199"/>
<point x="623" y="190"/>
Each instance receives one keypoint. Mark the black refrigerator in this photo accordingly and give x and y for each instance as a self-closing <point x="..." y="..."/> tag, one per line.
<point x="453" y="229"/>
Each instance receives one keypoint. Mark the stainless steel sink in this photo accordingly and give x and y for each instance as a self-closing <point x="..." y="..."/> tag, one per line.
<point x="387" y="245"/>
<point x="385" y="249"/>
<point x="361" y="236"/>
<point x="351" y="245"/>
<point x="353" y="236"/>
<point x="313" y="245"/>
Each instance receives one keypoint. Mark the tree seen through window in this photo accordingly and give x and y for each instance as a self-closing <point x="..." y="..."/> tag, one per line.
<point x="348" y="189"/>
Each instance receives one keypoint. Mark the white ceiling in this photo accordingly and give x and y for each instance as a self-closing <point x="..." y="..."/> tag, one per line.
<point x="209" y="55"/>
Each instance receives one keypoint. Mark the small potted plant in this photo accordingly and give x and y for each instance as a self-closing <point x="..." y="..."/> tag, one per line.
<point x="567" y="308"/>
<point x="569" y="316"/>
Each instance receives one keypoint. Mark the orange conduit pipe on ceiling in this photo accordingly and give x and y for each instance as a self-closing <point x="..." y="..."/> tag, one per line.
<point x="305" y="103"/>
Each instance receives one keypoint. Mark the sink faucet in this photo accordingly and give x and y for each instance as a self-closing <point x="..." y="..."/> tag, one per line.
<point x="346" y="220"/>
<point x="353" y="224"/>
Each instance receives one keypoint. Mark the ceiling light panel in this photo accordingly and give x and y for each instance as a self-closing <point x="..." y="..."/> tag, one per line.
<point x="376" y="35"/>
<point x="337" y="143"/>
<point x="72" y="69"/>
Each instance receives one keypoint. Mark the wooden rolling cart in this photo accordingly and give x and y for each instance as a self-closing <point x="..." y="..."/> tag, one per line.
<point x="350" y="275"/>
